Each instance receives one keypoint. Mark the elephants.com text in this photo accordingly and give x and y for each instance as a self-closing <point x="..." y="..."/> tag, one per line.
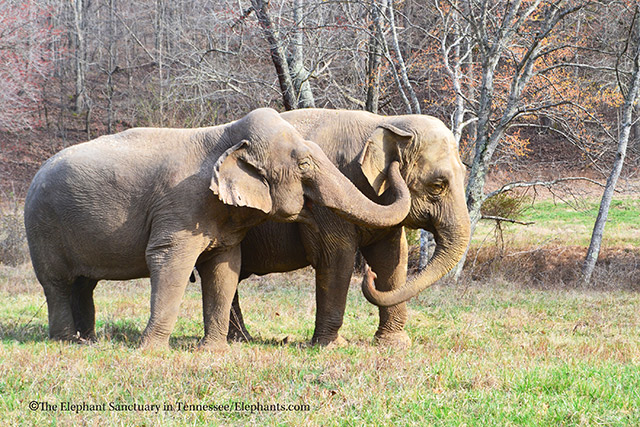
<point x="78" y="407"/>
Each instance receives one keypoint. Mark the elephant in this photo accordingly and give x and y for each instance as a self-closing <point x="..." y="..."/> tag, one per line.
<point x="152" y="202"/>
<point x="362" y="145"/>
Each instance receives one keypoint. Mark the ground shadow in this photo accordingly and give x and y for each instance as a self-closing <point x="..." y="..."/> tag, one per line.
<point x="23" y="333"/>
<point x="129" y="334"/>
<point x="124" y="332"/>
<point x="276" y="342"/>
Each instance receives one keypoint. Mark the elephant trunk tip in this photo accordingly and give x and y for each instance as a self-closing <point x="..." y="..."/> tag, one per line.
<point x="368" y="288"/>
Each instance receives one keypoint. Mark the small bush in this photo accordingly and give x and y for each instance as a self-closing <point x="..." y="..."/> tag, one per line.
<point x="13" y="240"/>
<point x="506" y="205"/>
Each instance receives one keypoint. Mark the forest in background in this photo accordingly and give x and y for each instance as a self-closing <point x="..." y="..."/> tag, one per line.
<point x="533" y="90"/>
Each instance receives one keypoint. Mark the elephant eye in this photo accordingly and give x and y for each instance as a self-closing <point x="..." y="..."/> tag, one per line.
<point x="438" y="187"/>
<point x="304" y="164"/>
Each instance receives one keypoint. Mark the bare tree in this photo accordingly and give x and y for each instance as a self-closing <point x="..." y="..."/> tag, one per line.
<point x="456" y="50"/>
<point x="111" y="62"/>
<point x="278" y="56"/>
<point x="299" y="74"/>
<point x="376" y="45"/>
<point x="80" y="54"/>
<point x="494" y="27"/>
<point x="626" y="113"/>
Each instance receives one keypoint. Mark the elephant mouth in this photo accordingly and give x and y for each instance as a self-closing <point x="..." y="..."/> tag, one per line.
<point x="308" y="204"/>
<point x="305" y="215"/>
<point x="414" y="222"/>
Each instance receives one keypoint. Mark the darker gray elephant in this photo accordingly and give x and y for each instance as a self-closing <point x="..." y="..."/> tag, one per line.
<point x="155" y="202"/>
<point x="363" y="145"/>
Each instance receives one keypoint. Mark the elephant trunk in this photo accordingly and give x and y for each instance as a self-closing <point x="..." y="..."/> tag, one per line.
<point x="451" y="244"/>
<point x="339" y="194"/>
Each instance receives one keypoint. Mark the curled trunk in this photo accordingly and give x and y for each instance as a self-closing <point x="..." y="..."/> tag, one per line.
<point x="339" y="194"/>
<point x="451" y="245"/>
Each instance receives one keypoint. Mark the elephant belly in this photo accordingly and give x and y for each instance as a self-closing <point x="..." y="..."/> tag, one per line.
<point x="272" y="248"/>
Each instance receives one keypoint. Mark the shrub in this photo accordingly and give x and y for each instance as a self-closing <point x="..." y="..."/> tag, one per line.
<point x="506" y="205"/>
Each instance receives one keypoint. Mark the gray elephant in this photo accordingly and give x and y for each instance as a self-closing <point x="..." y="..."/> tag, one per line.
<point x="362" y="145"/>
<point x="155" y="202"/>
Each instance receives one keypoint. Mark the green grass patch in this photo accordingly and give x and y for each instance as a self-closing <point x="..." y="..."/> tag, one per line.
<point x="561" y="223"/>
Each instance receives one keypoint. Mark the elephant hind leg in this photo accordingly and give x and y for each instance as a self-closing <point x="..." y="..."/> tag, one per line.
<point x="61" y="324"/>
<point x="388" y="258"/>
<point x="332" y="285"/>
<point x="219" y="283"/>
<point x="237" y="329"/>
<point x="83" y="307"/>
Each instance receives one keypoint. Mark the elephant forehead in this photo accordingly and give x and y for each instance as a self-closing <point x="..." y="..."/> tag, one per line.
<point x="443" y="154"/>
<point x="435" y="158"/>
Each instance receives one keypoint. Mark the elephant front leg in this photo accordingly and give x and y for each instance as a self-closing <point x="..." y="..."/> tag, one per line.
<point x="170" y="268"/>
<point x="219" y="277"/>
<point x="388" y="259"/>
<point x="333" y="277"/>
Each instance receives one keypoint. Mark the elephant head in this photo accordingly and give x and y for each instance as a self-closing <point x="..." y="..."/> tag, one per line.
<point x="434" y="173"/>
<point x="273" y="169"/>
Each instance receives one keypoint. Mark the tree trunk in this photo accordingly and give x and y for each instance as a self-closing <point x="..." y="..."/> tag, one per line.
<point x="110" y="66"/>
<point x="80" y="55"/>
<point x="484" y="148"/>
<point x="289" y="95"/>
<point x="623" y="140"/>
<point x="413" y="104"/>
<point x="375" y="53"/>
<point x="159" y="45"/>
<point x="299" y="74"/>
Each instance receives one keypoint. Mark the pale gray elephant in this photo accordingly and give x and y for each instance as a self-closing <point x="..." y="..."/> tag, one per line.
<point x="362" y="145"/>
<point x="155" y="202"/>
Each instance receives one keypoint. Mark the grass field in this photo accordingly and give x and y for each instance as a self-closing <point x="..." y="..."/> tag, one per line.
<point x="492" y="350"/>
<point x="557" y="222"/>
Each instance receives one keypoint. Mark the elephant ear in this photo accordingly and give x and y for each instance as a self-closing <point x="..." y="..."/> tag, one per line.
<point x="382" y="147"/>
<point x="237" y="182"/>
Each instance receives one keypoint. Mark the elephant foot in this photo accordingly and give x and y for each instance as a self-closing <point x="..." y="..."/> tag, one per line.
<point x="72" y="339"/>
<point x="88" y="340"/>
<point x="398" y="340"/>
<point x="213" y="346"/>
<point x="329" y="341"/>
<point x="64" y="336"/>
<point x="238" y="335"/>
<point x="150" y="344"/>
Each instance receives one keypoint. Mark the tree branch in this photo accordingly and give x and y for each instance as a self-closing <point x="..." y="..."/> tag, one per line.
<point x="547" y="184"/>
<point x="502" y="219"/>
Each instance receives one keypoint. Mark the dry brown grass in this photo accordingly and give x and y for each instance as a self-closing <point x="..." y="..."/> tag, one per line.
<point x="555" y="267"/>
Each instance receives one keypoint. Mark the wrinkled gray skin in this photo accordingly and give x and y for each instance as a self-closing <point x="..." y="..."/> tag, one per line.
<point x="362" y="144"/>
<point x="155" y="202"/>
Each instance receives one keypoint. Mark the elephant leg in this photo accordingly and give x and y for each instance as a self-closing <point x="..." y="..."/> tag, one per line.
<point x="58" y="295"/>
<point x="333" y="277"/>
<point x="388" y="259"/>
<point x="83" y="307"/>
<point x="170" y="268"/>
<point x="219" y="277"/>
<point x="237" y="329"/>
